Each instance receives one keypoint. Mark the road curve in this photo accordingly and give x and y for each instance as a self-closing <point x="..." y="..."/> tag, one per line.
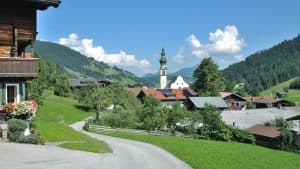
<point x="126" y="155"/>
<point x="129" y="154"/>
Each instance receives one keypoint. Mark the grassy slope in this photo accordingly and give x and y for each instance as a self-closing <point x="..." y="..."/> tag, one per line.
<point x="203" y="154"/>
<point x="293" y="95"/>
<point x="53" y="112"/>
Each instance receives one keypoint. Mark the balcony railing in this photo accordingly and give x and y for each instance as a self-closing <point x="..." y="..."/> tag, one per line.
<point x="19" y="67"/>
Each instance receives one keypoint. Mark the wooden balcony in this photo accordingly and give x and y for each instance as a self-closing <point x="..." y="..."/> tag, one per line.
<point x="18" y="67"/>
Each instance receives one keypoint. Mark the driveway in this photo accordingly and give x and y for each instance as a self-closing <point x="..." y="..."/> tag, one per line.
<point x="126" y="155"/>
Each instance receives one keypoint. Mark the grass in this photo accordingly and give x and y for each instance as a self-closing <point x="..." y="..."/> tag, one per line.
<point x="94" y="147"/>
<point x="204" y="154"/>
<point x="293" y="95"/>
<point x="54" y="118"/>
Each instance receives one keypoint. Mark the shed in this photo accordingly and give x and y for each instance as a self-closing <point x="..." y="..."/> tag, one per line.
<point x="268" y="136"/>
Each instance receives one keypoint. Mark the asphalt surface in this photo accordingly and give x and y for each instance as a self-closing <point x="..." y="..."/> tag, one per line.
<point x="126" y="155"/>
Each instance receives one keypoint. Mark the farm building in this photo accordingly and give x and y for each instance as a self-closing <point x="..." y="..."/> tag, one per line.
<point x="17" y="31"/>
<point x="234" y="101"/>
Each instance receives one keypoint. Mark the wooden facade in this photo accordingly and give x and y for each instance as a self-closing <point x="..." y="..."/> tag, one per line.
<point x="17" y="31"/>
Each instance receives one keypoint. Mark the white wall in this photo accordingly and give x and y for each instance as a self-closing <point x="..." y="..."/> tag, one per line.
<point x="179" y="83"/>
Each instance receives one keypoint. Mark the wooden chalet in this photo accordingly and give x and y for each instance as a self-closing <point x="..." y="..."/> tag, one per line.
<point x="234" y="101"/>
<point x="17" y="31"/>
<point x="267" y="136"/>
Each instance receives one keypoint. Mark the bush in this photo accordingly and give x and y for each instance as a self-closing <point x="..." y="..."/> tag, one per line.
<point x="15" y="129"/>
<point x="242" y="136"/>
<point x="30" y="139"/>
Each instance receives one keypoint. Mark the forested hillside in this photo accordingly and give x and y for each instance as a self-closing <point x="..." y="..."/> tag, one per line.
<point x="75" y="64"/>
<point x="267" y="68"/>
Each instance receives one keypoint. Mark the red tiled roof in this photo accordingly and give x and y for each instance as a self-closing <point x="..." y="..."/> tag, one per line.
<point x="135" y="90"/>
<point x="177" y="94"/>
<point x="262" y="130"/>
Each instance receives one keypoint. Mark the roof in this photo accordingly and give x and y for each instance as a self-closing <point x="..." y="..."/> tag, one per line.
<point x="44" y="4"/>
<point x="200" y="102"/>
<point x="80" y="82"/>
<point x="262" y="130"/>
<point x="226" y="94"/>
<point x="260" y="99"/>
<point x="106" y="81"/>
<point x="297" y="117"/>
<point x="169" y="94"/>
<point x="135" y="90"/>
<point x="246" y="118"/>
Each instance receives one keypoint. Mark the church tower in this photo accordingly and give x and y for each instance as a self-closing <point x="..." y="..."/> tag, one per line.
<point x="163" y="69"/>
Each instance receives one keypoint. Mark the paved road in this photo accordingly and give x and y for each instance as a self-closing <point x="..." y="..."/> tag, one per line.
<point x="136" y="155"/>
<point x="126" y="155"/>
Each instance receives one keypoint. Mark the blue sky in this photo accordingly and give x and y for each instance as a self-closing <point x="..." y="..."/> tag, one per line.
<point x="131" y="33"/>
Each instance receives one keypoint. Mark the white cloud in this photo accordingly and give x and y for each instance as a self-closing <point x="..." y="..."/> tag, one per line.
<point x="121" y="59"/>
<point x="225" y="42"/>
<point x="239" y="57"/>
<point x="198" y="50"/>
<point x="194" y="41"/>
<point x="222" y="42"/>
<point x="179" y="56"/>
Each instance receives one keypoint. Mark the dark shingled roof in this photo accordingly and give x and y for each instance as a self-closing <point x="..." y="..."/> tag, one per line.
<point x="266" y="131"/>
<point x="44" y="4"/>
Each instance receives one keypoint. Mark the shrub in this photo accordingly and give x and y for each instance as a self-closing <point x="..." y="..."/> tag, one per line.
<point x="15" y="129"/>
<point x="242" y="136"/>
<point x="30" y="139"/>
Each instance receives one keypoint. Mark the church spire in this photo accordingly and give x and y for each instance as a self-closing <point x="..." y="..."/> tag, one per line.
<point x="163" y="59"/>
<point x="163" y="69"/>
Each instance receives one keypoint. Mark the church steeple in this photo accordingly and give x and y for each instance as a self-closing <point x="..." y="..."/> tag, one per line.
<point x="163" y="59"/>
<point x="163" y="69"/>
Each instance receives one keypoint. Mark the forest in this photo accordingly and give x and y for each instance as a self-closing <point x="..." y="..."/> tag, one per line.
<point x="266" y="68"/>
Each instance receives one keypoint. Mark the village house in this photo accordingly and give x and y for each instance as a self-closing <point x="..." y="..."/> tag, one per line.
<point x="17" y="31"/>
<point x="297" y="135"/>
<point x="168" y="96"/>
<point x="78" y="83"/>
<point x="267" y="136"/>
<point x="234" y="101"/>
<point x="202" y="102"/>
<point x="268" y="102"/>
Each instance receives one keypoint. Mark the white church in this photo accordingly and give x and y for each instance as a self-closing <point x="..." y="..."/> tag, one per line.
<point x="177" y="83"/>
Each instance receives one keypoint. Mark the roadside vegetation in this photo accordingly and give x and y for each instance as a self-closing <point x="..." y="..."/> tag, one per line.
<point x="53" y="120"/>
<point x="205" y="154"/>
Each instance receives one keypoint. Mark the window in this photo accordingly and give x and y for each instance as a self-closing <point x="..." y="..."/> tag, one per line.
<point x="12" y="93"/>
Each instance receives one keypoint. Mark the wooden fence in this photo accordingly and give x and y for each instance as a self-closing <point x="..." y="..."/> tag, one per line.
<point x="101" y="129"/>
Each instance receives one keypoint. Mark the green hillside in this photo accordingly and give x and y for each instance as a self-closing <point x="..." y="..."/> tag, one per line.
<point x="267" y="68"/>
<point x="293" y="95"/>
<point x="76" y="65"/>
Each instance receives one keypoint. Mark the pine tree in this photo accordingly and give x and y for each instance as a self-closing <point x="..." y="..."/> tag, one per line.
<point x="208" y="79"/>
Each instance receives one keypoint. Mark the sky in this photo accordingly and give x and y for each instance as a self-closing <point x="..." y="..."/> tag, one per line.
<point x="131" y="33"/>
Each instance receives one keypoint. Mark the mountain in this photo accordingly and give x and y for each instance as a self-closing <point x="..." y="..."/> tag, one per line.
<point x="186" y="73"/>
<point x="76" y="65"/>
<point x="267" y="68"/>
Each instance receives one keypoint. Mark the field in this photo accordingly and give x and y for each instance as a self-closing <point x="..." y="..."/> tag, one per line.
<point x="203" y="154"/>
<point x="54" y="118"/>
<point x="293" y="95"/>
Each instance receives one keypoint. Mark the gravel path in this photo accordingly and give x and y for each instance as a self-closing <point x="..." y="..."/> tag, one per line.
<point x="126" y="155"/>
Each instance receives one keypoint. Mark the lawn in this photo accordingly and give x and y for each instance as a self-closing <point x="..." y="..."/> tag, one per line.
<point x="204" y="154"/>
<point x="92" y="146"/>
<point x="293" y="95"/>
<point x="55" y="116"/>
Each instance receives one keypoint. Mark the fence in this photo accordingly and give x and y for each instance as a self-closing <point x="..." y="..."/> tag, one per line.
<point x="99" y="129"/>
